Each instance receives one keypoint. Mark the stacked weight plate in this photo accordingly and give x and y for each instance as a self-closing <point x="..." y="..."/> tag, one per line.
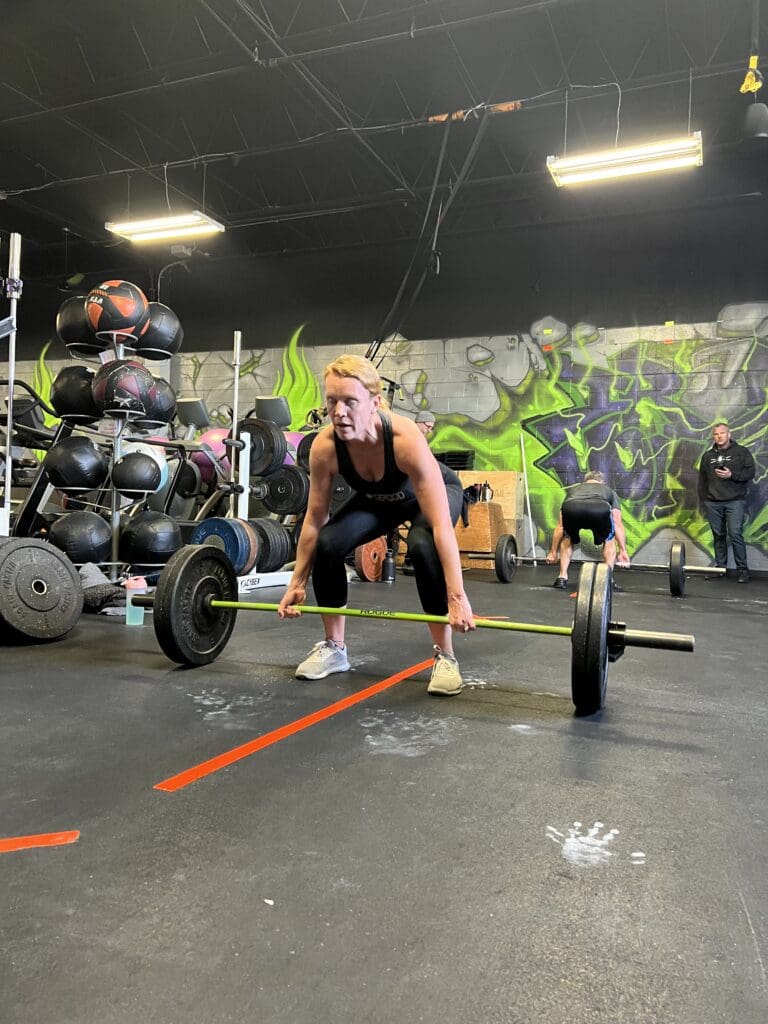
<point x="275" y="547"/>
<point x="302" y="451"/>
<point x="268" y="445"/>
<point x="235" y="537"/>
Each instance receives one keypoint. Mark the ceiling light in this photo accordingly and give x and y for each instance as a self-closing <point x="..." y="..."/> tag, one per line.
<point x="629" y="160"/>
<point x="161" y="229"/>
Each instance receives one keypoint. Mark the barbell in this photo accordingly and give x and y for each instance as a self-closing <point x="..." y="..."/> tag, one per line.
<point x="195" y="608"/>
<point x="506" y="560"/>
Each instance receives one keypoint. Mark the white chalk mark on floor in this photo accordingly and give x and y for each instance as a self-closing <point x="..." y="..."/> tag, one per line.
<point x="584" y="849"/>
<point x="228" y="711"/>
<point x="755" y="939"/>
<point x="404" y="735"/>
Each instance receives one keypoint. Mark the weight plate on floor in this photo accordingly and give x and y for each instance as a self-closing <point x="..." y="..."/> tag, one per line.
<point x="189" y="631"/>
<point x="589" y="640"/>
<point x="505" y="558"/>
<point x="287" y="491"/>
<point x="227" y="535"/>
<point x="369" y="559"/>
<point x="677" y="569"/>
<point x="268" y="446"/>
<point x="41" y="596"/>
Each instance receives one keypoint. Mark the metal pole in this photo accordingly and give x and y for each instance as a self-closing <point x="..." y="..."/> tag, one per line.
<point x="528" y="501"/>
<point x="238" y="340"/>
<point x="13" y="292"/>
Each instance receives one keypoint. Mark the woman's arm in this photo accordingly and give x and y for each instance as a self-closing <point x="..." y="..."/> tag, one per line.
<point x="413" y="457"/>
<point x="322" y="469"/>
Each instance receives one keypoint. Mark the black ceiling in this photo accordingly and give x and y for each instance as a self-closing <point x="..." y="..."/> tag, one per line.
<point x="304" y="124"/>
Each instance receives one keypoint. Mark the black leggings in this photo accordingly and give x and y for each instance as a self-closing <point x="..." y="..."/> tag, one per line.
<point x="362" y="520"/>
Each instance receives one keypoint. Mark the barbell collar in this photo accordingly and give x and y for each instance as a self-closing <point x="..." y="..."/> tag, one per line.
<point x="643" y="638"/>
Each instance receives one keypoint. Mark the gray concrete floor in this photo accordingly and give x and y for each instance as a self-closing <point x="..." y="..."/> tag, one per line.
<point x="488" y="858"/>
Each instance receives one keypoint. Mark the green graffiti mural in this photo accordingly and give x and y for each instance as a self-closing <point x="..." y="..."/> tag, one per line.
<point x="297" y="382"/>
<point x="638" y="405"/>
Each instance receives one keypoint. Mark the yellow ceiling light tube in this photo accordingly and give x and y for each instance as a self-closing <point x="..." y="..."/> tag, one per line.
<point x="668" y="155"/>
<point x="161" y="229"/>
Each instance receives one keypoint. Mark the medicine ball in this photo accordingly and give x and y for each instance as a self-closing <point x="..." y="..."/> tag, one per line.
<point x="148" y="539"/>
<point x="71" y="395"/>
<point x="76" y="464"/>
<point x="185" y="490"/>
<point x="117" y="306"/>
<point x="136" y="474"/>
<point x="74" y="328"/>
<point x="154" y="452"/>
<point x="163" y="409"/>
<point x="164" y="334"/>
<point x="82" y="536"/>
<point x="213" y="442"/>
<point x="124" y="388"/>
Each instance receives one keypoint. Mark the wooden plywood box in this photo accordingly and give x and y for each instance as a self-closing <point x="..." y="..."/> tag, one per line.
<point x="508" y="492"/>
<point x="477" y="542"/>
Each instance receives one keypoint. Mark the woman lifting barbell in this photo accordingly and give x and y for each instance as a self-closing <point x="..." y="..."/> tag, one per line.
<point x="385" y="459"/>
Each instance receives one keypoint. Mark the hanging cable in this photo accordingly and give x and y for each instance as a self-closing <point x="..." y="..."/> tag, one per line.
<point x="381" y="333"/>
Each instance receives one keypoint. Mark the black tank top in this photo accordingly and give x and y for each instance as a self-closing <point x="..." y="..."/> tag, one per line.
<point x="393" y="486"/>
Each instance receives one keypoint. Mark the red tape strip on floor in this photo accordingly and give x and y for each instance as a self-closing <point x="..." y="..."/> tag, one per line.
<point x="30" y="842"/>
<point x="191" y="775"/>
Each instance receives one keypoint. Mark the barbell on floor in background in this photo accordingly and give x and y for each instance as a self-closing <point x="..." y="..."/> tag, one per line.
<point x="195" y="608"/>
<point x="506" y="561"/>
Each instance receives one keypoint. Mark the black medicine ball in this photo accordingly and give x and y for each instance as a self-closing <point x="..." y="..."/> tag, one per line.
<point x="76" y="464"/>
<point x="135" y="474"/>
<point x="74" y="328"/>
<point x="163" y="336"/>
<point x="71" y="395"/>
<point x="149" y="539"/>
<point x="82" y="536"/>
<point x="163" y="409"/>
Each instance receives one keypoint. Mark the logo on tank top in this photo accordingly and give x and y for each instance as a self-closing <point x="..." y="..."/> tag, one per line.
<point x="396" y="496"/>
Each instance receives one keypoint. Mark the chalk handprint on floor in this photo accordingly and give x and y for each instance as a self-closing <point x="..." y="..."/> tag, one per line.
<point x="227" y="711"/>
<point x="590" y="848"/>
<point x="406" y="735"/>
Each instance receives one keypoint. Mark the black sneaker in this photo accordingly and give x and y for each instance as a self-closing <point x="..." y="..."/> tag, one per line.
<point x="617" y="589"/>
<point x="561" y="583"/>
<point x="743" y="576"/>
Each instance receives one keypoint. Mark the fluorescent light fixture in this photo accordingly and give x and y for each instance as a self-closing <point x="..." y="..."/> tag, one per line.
<point x="630" y="160"/>
<point x="161" y="229"/>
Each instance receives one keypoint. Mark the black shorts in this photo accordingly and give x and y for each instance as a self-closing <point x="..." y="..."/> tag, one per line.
<point x="587" y="514"/>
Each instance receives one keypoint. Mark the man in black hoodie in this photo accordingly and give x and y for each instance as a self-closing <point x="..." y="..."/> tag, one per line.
<point x="724" y="474"/>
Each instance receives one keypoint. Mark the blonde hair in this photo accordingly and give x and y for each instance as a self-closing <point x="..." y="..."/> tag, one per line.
<point x="361" y="369"/>
<point x="594" y="476"/>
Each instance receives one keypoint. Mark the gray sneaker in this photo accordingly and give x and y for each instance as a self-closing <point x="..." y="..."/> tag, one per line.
<point x="446" y="678"/>
<point x="323" y="660"/>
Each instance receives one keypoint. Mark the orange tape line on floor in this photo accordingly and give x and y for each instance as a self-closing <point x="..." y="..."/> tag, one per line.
<point x="191" y="775"/>
<point x="30" y="842"/>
